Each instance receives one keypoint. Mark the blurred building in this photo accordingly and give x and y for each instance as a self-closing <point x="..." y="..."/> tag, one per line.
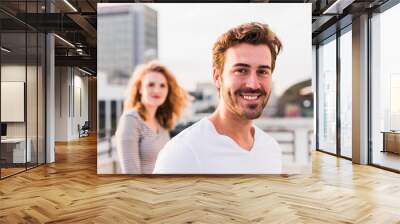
<point x="127" y="36"/>
<point x="205" y="98"/>
<point x="271" y="108"/>
<point x="297" y="101"/>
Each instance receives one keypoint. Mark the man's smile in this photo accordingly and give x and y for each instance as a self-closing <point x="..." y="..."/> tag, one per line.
<point x="250" y="97"/>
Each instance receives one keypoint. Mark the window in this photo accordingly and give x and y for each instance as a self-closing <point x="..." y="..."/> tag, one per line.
<point x="22" y="75"/>
<point x="102" y="118"/>
<point x="327" y="96"/>
<point x="346" y="94"/>
<point x="113" y="116"/>
<point x="385" y="89"/>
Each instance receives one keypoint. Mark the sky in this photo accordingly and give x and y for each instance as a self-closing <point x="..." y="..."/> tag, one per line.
<point x="187" y="32"/>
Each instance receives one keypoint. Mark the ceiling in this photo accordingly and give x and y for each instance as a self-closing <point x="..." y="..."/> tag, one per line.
<point x="76" y="40"/>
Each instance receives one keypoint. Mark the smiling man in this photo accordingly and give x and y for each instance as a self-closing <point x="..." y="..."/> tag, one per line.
<point x="227" y="142"/>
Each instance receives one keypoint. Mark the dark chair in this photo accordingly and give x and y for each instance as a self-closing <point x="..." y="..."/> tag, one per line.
<point x="84" y="130"/>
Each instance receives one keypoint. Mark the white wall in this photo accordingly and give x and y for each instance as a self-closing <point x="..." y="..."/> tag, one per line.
<point x="79" y="115"/>
<point x="14" y="73"/>
<point x="71" y="87"/>
<point x="61" y="103"/>
<point x="17" y="73"/>
<point x="32" y="106"/>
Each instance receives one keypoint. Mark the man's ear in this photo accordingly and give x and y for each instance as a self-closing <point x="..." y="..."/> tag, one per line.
<point x="217" y="78"/>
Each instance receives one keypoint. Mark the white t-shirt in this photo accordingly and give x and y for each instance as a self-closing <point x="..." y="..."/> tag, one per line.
<point x="200" y="149"/>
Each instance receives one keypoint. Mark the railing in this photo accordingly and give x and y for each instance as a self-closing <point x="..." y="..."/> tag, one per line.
<point x="106" y="154"/>
<point x="274" y="131"/>
<point x="292" y="138"/>
<point x="107" y="136"/>
<point x="310" y="137"/>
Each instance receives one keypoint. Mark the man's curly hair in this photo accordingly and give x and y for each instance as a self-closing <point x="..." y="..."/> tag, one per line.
<point x="252" y="33"/>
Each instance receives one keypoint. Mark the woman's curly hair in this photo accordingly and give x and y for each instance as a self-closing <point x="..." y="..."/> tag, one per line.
<point x="177" y="98"/>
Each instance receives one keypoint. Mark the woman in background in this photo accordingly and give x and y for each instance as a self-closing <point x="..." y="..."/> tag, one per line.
<point x="154" y="102"/>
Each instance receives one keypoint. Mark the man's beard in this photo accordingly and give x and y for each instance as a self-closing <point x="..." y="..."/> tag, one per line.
<point x="232" y="102"/>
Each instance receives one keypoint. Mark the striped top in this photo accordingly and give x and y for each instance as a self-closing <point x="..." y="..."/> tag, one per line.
<point x="137" y="144"/>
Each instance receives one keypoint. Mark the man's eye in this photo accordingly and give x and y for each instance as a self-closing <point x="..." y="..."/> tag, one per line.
<point x="241" y="71"/>
<point x="262" y="72"/>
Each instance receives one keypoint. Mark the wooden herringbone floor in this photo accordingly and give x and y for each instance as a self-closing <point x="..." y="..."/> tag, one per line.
<point x="70" y="191"/>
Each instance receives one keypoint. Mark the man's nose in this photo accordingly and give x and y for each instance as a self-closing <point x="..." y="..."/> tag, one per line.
<point x="252" y="81"/>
